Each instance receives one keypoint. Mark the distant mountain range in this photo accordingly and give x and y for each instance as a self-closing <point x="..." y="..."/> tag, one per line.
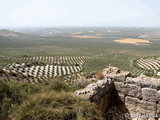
<point x="9" y="33"/>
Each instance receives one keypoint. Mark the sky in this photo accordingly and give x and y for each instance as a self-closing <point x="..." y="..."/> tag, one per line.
<point x="26" y="13"/>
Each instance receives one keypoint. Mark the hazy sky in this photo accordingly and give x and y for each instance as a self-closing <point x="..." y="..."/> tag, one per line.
<point x="18" y="13"/>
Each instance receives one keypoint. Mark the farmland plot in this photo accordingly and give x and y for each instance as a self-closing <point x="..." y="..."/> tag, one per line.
<point x="149" y="64"/>
<point x="44" y="67"/>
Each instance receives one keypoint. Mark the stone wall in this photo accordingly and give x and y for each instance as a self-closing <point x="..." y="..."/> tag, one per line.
<point x="140" y="96"/>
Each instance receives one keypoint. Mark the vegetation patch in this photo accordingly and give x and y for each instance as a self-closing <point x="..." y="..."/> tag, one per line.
<point x="56" y="106"/>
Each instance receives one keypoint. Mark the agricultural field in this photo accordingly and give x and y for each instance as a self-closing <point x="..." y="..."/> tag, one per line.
<point x="151" y="64"/>
<point x="133" y="41"/>
<point x="40" y="54"/>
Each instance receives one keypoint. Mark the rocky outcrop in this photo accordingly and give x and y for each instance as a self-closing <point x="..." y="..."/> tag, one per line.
<point x="129" y="98"/>
<point x="114" y="72"/>
<point x="104" y="94"/>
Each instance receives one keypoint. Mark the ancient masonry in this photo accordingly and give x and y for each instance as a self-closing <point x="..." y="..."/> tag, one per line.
<point x="127" y="97"/>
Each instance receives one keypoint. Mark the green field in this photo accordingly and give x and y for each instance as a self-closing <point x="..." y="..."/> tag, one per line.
<point x="58" y="52"/>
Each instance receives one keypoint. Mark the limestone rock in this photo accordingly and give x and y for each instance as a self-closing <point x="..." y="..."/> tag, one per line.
<point x="122" y="97"/>
<point x="134" y="91"/>
<point x="129" y="89"/>
<point x="149" y="94"/>
<point x="158" y="109"/>
<point x="111" y="70"/>
<point x="116" y="73"/>
<point x="93" y="88"/>
<point x="138" y="96"/>
<point x="121" y="87"/>
<point x="144" y="81"/>
<point x="148" y="108"/>
<point x="133" y="104"/>
<point x="159" y="96"/>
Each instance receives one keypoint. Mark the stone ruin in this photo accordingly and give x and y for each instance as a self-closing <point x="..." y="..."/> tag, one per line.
<point x="114" y="72"/>
<point x="111" y="70"/>
<point x="121" y="97"/>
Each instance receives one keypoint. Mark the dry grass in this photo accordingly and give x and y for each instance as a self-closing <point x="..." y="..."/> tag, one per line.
<point x="99" y="75"/>
<point x="58" y="85"/>
<point x="81" y="83"/>
<point x="56" y="106"/>
<point x="132" y="41"/>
